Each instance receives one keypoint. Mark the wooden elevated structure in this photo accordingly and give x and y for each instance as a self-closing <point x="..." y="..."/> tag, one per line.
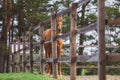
<point x="19" y="60"/>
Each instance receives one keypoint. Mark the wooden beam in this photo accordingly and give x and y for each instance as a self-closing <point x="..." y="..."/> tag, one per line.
<point x="101" y="40"/>
<point x="10" y="57"/>
<point x="114" y="22"/>
<point x="63" y="59"/>
<point x="73" y="28"/>
<point x="81" y="2"/>
<point x="96" y="67"/>
<point x="113" y="57"/>
<point x="14" y="58"/>
<point x="42" y="67"/>
<point x="24" y="53"/>
<point x="48" y="60"/>
<point x="31" y="50"/>
<point x="80" y="58"/>
<point x="107" y="46"/>
<point x="54" y="47"/>
<point x="19" y="62"/>
<point x="87" y="58"/>
<point x="88" y="28"/>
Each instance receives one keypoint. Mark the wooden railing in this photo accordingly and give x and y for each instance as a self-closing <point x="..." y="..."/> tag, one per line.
<point x="20" y="64"/>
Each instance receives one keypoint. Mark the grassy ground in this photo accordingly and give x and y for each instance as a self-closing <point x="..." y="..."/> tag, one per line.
<point x="29" y="76"/>
<point x="23" y="76"/>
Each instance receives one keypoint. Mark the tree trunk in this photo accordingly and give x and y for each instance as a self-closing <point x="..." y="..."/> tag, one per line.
<point x="3" y="39"/>
<point x="1" y="61"/>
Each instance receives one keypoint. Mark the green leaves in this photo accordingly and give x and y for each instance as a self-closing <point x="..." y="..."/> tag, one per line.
<point x="112" y="12"/>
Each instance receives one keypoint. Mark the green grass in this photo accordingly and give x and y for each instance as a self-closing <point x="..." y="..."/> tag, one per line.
<point x="23" y="76"/>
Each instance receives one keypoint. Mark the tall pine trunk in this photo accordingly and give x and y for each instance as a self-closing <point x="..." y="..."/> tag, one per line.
<point x="4" y="57"/>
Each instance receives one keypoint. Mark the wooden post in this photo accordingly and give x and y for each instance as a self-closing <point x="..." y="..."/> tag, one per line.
<point x="18" y="63"/>
<point x="31" y="50"/>
<point x="54" y="47"/>
<point x="24" y="54"/>
<point x="41" y="30"/>
<point x="10" y="58"/>
<point x="14" y="58"/>
<point x="101" y="40"/>
<point x="73" y="42"/>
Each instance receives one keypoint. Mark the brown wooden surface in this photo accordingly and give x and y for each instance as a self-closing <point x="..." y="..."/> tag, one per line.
<point x="10" y="58"/>
<point x="113" y="57"/>
<point x="54" y="46"/>
<point x="24" y="54"/>
<point x="14" y="58"/>
<point x="18" y="54"/>
<point x="42" y="68"/>
<point x="96" y="67"/>
<point x="31" y="50"/>
<point x="81" y="2"/>
<point x="101" y="39"/>
<point x="73" y="28"/>
<point x="114" y="22"/>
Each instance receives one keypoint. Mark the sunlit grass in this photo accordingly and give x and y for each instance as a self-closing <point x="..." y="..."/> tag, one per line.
<point x="23" y="76"/>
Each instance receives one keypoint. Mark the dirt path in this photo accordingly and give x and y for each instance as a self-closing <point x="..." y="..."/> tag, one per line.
<point x="91" y="78"/>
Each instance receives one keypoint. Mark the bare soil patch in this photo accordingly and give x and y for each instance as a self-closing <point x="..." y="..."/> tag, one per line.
<point x="109" y="77"/>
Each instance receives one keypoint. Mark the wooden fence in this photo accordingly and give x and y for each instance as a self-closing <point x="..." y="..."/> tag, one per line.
<point x="22" y="62"/>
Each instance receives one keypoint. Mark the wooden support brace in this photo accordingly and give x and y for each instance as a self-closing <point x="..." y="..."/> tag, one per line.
<point x="101" y="40"/>
<point x="31" y="50"/>
<point x="73" y="41"/>
<point x="41" y="30"/>
<point x="54" y="46"/>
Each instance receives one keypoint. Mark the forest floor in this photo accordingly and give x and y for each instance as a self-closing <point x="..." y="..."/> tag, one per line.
<point x="109" y="77"/>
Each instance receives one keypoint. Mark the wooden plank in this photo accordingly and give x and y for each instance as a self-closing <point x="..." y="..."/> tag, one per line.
<point x="101" y="40"/>
<point x="42" y="67"/>
<point x="107" y="46"/>
<point x="36" y="44"/>
<point x="80" y="58"/>
<point x="14" y="57"/>
<point x="18" y="65"/>
<point x="114" y="22"/>
<point x="81" y="2"/>
<point x="88" y="28"/>
<point x="63" y="59"/>
<point x="87" y="58"/>
<point x="113" y="57"/>
<point x="84" y="46"/>
<point x="54" y="47"/>
<point x="73" y="28"/>
<point x="63" y="12"/>
<point x="24" y="54"/>
<point x="31" y="50"/>
<point x="95" y="67"/>
<point x="10" y="58"/>
<point x="48" y="60"/>
<point x="36" y="28"/>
